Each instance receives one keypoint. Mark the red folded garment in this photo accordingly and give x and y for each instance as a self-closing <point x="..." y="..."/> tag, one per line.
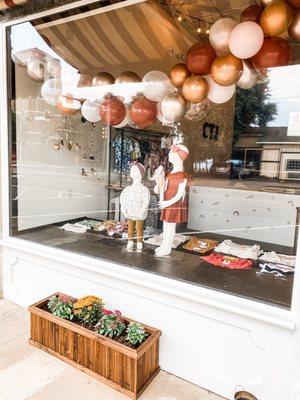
<point x="229" y="262"/>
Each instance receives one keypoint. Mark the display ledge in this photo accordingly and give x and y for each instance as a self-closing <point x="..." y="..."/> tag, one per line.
<point x="179" y="265"/>
<point x="177" y="293"/>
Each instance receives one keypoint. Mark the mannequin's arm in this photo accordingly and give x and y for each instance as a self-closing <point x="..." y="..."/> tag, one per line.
<point x="179" y="195"/>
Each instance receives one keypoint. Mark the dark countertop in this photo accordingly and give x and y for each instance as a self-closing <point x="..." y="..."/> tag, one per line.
<point x="179" y="265"/>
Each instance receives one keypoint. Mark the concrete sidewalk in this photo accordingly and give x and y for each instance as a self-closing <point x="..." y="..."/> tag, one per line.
<point x="27" y="373"/>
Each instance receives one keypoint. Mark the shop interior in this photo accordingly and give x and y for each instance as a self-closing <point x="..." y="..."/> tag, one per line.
<point x="69" y="167"/>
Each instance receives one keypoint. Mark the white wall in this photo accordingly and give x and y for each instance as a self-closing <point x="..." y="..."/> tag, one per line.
<point x="50" y="185"/>
<point x="248" y="214"/>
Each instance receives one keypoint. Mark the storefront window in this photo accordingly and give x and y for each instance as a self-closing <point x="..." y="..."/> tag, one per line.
<point x="100" y="99"/>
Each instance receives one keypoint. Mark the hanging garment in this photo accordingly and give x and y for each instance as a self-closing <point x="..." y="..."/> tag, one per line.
<point x="239" y="250"/>
<point x="230" y="262"/>
<point x="153" y="213"/>
<point x="123" y="149"/>
<point x="177" y="212"/>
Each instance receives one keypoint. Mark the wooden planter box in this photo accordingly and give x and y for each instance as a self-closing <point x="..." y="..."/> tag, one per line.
<point x="125" y="369"/>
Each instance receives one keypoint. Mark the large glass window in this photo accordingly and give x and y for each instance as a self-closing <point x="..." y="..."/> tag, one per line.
<point x="90" y="96"/>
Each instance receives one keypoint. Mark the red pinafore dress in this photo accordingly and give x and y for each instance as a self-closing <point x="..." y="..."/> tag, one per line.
<point x="177" y="212"/>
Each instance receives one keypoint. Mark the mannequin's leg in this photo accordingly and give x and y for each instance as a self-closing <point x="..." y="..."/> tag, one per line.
<point x="130" y="234"/>
<point x="140" y="234"/>
<point x="168" y="239"/>
<point x="158" y="249"/>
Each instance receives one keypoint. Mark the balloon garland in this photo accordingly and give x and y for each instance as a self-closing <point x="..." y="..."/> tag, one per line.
<point x="238" y="53"/>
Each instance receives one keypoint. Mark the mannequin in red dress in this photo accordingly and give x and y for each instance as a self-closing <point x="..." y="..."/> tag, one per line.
<point x="173" y="202"/>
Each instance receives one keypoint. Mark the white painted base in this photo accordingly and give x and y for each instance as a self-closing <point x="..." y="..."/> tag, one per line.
<point x="214" y="340"/>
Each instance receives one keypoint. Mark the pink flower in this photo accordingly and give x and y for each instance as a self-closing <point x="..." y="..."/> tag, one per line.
<point x="106" y="312"/>
<point x="117" y="312"/>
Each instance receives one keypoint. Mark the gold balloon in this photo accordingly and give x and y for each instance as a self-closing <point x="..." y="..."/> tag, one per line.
<point x="276" y="18"/>
<point x="103" y="78"/>
<point x="128" y="77"/>
<point x="195" y="89"/>
<point x="226" y="70"/>
<point x="294" y="30"/>
<point x="178" y="74"/>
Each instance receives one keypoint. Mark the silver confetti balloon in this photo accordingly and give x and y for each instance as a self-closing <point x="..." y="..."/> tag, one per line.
<point x="53" y="68"/>
<point x="173" y="107"/>
<point x="196" y="112"/>
<point x="36" y="70"/>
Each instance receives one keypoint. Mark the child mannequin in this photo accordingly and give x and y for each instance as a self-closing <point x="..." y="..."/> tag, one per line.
<point x="172" y="190"/>
<point x="134" y="201"/>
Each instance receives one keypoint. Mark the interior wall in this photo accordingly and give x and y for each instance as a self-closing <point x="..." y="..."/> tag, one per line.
<point x="50" y="187"/>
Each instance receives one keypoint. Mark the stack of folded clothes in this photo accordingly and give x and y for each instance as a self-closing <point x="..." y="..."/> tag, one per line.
<point x="239" y="250"/>
<point x="199" y="245"/>
<point x="157" y="240"/>
<point x="230" y="262"/>
<point x="278" y="258"/>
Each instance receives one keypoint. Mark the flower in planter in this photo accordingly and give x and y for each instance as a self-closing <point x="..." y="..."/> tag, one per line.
<point x="89" y="309"/>
<point x="135" y="333"/>
<point x="61" y="306"/>
<point x="111" y="324"/>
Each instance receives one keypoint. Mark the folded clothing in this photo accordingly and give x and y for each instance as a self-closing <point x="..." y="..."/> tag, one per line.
<point x="91" y="223"/>
<point x="104" y="226"/>
<point x="76" y="228"/>
<point x="118" y="229"/>
<point x="200" y="245"/>
<point x="157" y="240"/>
<point x="277" y="269"/>
<point x="239" y="250"/>
<point x="229" y="262"/>
<point x="273" y="257"/>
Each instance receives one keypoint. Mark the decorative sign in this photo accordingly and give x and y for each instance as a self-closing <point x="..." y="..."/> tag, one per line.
<point x="210" y="131"/>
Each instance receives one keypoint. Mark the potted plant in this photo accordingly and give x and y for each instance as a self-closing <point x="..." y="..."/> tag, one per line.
<point x="114" y="349"/>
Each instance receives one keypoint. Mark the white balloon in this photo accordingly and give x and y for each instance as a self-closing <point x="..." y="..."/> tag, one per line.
<point x="246" y="39"/>
<point x="125" y="121"/>
<point x="219" y="94"/>
<point x="219" y="34"/>
<point x="173" y="107"/>
<point x="53" y="68"/>
<point x="51" y="90"/>
<point x="90" y="111"/>
<point x="157" y="85"/>
<point x="161" y="118"/>
<point x="249" y="77"/>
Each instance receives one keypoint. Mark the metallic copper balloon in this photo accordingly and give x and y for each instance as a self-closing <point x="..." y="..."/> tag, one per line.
<point x="294" y="3"/>
<point x="36" y="70"/>
<point x="195" y="89"/>
<point x="276" y="18"/>
<point x="294" y="30"/>
<point x="61" y="105"/>
<point x="103" y="78"/>
<point x="128" y="77"/>
<point x="178" y="74"/>
<point x="252" y="13"/>
<point x="85" y="80"/>
<point x="200" y="58"/>
<point x="112" y="111"/>
<point x="226" y="70"/>
<point x="143" y="112"/>
<point x="275" y="52"/>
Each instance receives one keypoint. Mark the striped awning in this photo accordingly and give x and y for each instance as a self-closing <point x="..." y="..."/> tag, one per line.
<point x="126" y="37"/>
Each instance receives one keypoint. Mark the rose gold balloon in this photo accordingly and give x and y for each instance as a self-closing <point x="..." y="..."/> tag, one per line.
<point x="266" y="2"/>
<point x="143" y="112"/>
<point x="199" y="59"/>
<point x="226" y="70"/>
<point x="128" y="77"/>
<point x="294" y="30"/>
<point x="294" y="3"/>
<point x="112" y="111"/>
<point x="195" y="89"/>
<point x="85" y="80"/>
<point x="252" y="13"/>
<point x="275" y="52"/>
<point x="61" y="105"/>
<point x="178" y="74"/>
<point x="276" y="18"/>
<point x="103" y="78"/>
